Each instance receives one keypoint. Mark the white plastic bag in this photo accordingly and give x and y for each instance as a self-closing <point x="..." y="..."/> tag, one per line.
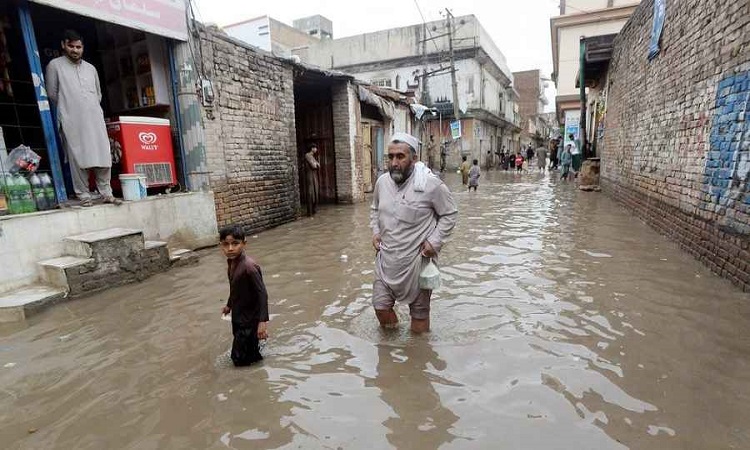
<point x="429" y="277"/>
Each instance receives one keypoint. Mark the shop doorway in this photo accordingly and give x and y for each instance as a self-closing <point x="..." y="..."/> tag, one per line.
<point x="132" y="68"/>
<point x="314" y="123"/>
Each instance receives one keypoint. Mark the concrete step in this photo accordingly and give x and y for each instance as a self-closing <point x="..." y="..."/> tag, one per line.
<point x="148" y="245"/>
<point x="105" y="244"/>
<point x="183" y="257"/>
<point x="53" y="271"/>
<point x="16" y="306"/>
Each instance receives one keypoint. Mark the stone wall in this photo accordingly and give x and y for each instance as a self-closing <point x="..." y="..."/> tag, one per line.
<point x="250" y="134"/>
<point x="677" y="139"/>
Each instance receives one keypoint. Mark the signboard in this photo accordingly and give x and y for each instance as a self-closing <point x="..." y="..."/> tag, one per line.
<point x="456" y="129"/>
<point x="161" y="17"/>
<point x="572" y="124"/>
<point x="659" y="13"/>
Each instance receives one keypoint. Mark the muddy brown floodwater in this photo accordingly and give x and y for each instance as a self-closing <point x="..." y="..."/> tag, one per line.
<point x="563" y="323"/>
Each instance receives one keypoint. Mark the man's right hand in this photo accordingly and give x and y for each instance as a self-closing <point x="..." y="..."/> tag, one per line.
<point x="226" y="310"/>
<point x="376" y="242"/>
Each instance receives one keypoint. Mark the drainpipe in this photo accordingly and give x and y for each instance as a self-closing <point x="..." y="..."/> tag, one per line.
<point x="582" y="87"/>
<point x="188" y="110"/>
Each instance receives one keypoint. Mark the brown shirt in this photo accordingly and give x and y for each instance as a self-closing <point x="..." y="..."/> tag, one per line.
<point x="248" y="298"/>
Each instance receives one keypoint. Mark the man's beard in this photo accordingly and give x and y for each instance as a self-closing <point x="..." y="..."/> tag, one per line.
<point x="398" y="175"/>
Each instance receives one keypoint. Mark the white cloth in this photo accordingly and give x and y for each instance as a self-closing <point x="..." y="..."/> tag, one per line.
<point x="75" y="91"/>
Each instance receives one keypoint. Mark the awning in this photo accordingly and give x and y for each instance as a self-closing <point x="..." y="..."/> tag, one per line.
<point x="597" y="57"/>
<point x="161" y="17"/>
<point x="386" y="107"/>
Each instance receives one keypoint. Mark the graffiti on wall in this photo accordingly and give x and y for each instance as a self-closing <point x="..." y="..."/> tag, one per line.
<point x="727" y="173"/>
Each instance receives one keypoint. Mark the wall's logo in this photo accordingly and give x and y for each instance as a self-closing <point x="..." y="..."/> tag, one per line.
<point x="148" y="140"/>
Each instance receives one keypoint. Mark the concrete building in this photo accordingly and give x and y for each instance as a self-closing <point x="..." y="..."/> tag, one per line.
<point x="681" y="159"/>
<point x="267" y="112"/>
<point x="535" y="128"/>
<point x="598" y="21"/>
<point x="414" y="59"/>
<point x="279" y="38"/>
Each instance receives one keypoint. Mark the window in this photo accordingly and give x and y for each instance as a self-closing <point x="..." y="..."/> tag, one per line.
<point x="471" y="84"/>
<point x="382" y="82"/>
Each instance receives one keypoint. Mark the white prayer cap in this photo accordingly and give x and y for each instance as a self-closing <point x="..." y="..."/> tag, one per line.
<point x="406" y="139"/>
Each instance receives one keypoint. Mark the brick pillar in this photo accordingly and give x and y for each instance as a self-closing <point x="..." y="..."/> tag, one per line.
<point x="347" y="143"/>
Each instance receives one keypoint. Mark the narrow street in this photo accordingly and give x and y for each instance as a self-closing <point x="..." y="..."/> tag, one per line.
<point x="563" y="323"/>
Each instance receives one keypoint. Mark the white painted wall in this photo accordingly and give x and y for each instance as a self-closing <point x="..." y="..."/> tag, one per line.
<point x="583" y="6"/>
<point x="182" y="220"/>
<point x="569" y="51"/>
<point x="256" y="32"/>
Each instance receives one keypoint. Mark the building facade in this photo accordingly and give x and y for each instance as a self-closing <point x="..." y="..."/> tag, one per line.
<point x="279" y="38"/>
<point x="535" y="128"/>
<point x="414" y="60"/>
<point x="599" y="20"/>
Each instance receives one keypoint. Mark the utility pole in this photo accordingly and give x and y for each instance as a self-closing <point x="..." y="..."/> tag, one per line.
<point x="456" y="112"/>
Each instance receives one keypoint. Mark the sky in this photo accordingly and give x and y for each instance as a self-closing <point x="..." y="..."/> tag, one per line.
<point x="520" y="28"/>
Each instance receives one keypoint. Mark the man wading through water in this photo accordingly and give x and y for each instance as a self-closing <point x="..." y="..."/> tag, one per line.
<point x="412" y="215"/>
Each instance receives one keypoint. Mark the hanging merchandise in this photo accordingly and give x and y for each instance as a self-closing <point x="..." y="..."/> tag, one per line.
<point x="23" y="158"/>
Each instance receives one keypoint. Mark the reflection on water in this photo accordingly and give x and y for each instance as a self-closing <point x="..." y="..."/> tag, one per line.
<point x="563" y="322"/>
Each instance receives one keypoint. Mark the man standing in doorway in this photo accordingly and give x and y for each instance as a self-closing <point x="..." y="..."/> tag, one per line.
<point x="73" y="86"/>
<point x="412" y="215"/>
<point x="431" y="153"/>
<point x="312" y="183"/>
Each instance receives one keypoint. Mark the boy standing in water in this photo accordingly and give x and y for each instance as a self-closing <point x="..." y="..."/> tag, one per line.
<point x="248" y="299"/>
<point x="474" y="175"/>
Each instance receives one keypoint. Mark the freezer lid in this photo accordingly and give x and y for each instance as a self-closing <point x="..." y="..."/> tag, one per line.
<point x="137" y="120"/>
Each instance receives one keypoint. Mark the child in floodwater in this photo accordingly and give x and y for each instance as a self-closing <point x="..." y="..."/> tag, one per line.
<point x="474" y="175"/>
<point x="248" y="299"/>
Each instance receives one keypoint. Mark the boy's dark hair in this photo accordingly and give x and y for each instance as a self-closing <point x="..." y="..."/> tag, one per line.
<point x="463" y="158"/>
<point x="71" y="36"/>
<point x="475" y="162"/>
<point x="235" y="231"/>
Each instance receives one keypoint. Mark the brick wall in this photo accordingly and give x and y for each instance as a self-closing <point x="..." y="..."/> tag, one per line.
<point x="250" y="134"/>
<point x="526" y="84"/>
<point x="347" y="141"/>
<point x="677" y="140"/>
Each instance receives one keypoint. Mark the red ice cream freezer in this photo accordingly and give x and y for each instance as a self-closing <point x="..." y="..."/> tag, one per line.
<point x="142" y="145"/>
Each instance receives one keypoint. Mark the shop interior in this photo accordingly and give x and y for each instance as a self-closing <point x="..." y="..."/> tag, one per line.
<point x="133" y="74"/>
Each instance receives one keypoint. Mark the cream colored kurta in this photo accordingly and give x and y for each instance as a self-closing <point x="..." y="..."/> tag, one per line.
<point x="404" y="219"/>
<point x="74" y="89"/>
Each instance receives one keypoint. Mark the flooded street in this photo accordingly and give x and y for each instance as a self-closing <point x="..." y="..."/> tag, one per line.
<point x="563" y="323"/>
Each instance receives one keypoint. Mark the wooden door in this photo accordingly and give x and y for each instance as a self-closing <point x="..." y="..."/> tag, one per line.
<point x="367" y="156"/>
<point x="314" y="121"/>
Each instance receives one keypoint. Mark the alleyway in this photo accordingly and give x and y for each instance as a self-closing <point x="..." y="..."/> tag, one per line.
<point x="563" y="323"/>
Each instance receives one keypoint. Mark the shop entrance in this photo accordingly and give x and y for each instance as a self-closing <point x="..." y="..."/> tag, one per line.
<point x="133" y="76"/>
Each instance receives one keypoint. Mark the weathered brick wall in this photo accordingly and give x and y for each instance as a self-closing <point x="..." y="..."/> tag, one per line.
<point x="347" y="141"/>
<point x="526" y="84"/>
<point x="250" y="134"/>
<point x="677" y="140"/>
